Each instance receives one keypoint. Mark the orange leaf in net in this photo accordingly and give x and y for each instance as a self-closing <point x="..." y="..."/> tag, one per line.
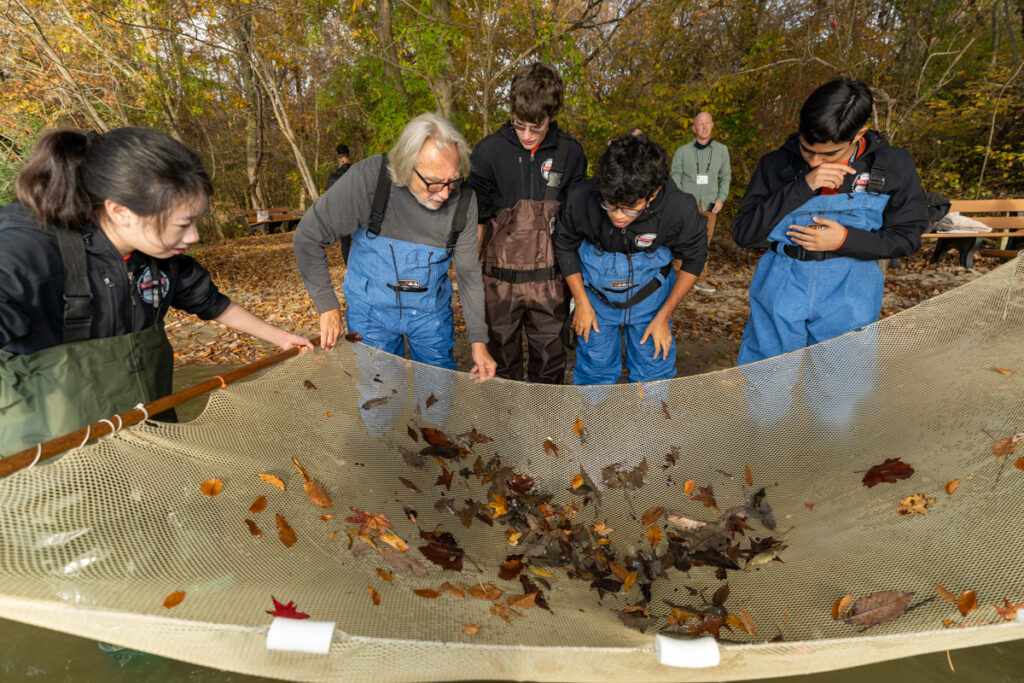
<point x="1009" y="612"/>
<point x="211" y="487"/>
<point x="651" y="515"/>
<point x="967" y="602"/>
<point x="839" y="606"/>
<point x="317" y="493"/>
<point x="619" y="570"/>
<point x="1004" y="447"/>
<point x="951" y="486"/>
<point x="654" y="535"/>
<point x="285" y="532"/>
<point x="1019" y="463"/>
<point x="706" y="495"/>
<point x="258" y="505"/>
<point x="1003" y="371"/>
<point x="174" y="599"/>
<point x="577" y="481"/>
<point x="470" y="629"/>
<point x="385" y="576"/>
<point x="750" y="475"/>
<point x="374" y="595"/>
<point x="945" y="594"/>
<point x="484" y="591"/>
<point x="253" y="529"/>
<point x="525" y="601"/>
<point x="749" y="625"/>
<point x="326" y="518"/>
<point x="455" y="591"/>
<point x="273" y="480"/>
<point x="333" y="536"/>
<point x="579" y="430"/>
<point x="427" y="593"/>
<point x="628" y="583"/>
<point x="689" y="485"/>
<point x="550" y="448"/>
<point x="809" y="506"/>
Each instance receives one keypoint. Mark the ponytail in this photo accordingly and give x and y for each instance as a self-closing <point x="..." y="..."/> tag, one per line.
<point x="70" y="174"/>
<point x="50" y="185"/>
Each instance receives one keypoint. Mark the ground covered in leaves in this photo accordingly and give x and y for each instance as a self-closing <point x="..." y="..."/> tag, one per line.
<point x="260" y="273"/>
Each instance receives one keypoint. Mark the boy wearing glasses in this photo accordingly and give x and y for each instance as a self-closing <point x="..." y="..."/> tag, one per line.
<point x="409" y="217"/>
<point x="521" y="174"/>
<point x="615" y="239"/>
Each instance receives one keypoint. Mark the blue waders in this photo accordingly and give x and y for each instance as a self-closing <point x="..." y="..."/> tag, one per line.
<point x="626" y="291"/>
<point x="800" y="298"/>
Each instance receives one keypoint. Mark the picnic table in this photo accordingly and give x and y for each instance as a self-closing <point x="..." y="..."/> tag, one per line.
<point x="1005" y="226"/>
<point x="266" y="220"/>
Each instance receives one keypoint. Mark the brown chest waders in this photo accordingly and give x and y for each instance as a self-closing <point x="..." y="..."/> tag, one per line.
<point x="57" y="390"/>
<point x="523" y="289"/>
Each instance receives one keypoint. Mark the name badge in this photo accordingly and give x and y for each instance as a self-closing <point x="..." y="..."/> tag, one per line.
<point x="702" y="179"/>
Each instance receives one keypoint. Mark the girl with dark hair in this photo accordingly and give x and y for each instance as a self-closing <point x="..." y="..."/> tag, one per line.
<point x="92" y="259"/>
<point x="615" y="239"/>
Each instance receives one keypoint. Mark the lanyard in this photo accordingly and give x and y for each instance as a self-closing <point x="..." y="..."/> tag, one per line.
<point x="696" y="160"/>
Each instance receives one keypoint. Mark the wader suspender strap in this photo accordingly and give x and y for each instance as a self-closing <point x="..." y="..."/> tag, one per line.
<point x="557" y="169"/>
<point x="648" y="289"/>
<point x="459" y="220"/>
<point x="380" y="197"/>
<point x="77" y="295"/>
<point x="172" y="276"/>
<point x="876" y="180"/>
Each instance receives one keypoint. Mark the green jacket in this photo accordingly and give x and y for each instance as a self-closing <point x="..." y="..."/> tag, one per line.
<point x="713" y="161"/>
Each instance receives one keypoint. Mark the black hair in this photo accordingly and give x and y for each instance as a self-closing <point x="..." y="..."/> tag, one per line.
<point x="536" y="93"/>
<point x="631" y="168"/>
<point x="835" y="112"/>
<point x="342" y="149"/>
<point x="71" y="173"/>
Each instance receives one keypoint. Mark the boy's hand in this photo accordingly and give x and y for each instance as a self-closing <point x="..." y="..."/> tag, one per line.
<point x="583" y="319"/>
<point x="660" y="333"/>
<point x="828" y="176"/>
<point x="827" y="238"/>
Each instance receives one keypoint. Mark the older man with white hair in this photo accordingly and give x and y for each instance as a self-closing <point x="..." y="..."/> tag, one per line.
<point x="409" y="216"/>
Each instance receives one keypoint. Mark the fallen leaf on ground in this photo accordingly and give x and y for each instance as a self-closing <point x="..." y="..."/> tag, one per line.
<point x="258" y="505"/>
<point x="878" y="608"/>
<point x="635" y="616"/>
<point x="174" y="599"/>
<point x="273" y="480"/>
<point x="967" y="602"/>
<point x="914" y="504"/>
<point x="504" y="610"/>
<point x="618" y="475"/>
<point x="374" y="595"/>
<point x="253" y="529"/>
<point x="317" y="493"/>
<point x="840" y="605"/>
<point x="470" y="629"/>
<point x="951" y="486"/>
<point x="289" y="611"/>
<point x="211" y="487"/>
<point x="511" y="567"/>
<point x="285" y="532"/>
<point x="892" y="470"/>
<point x="1019" y="463"/>
<point x="577" y="481"/>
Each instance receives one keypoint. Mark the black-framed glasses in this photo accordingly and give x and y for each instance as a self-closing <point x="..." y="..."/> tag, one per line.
<point x="524" y="127"/>
<point x="629" y="213"/>
<point x="434" y="187"/>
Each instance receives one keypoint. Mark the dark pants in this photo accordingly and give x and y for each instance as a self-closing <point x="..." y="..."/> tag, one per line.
<point x="539" y="309"/>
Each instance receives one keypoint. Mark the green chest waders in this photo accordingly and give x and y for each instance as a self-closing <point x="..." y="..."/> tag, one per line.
<point x="57" y="390"/>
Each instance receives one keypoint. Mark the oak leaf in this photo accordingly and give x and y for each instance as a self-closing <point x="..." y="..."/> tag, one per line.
<point x="878" y="608"/>
<point x="892" y="470"/>
<point x="273" y="480"/>
<point x="174" y="599"/>
<point x="289" y="611"/>
<point x="914" y="504"/>
<point x="211" y="487"/>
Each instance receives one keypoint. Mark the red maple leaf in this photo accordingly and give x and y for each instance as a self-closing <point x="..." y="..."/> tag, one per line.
<point x="288" y="611"/>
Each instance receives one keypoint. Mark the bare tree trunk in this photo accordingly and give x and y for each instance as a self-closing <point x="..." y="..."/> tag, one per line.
<point x="389" y="51"/>
<point x="242" y="29"/>
<point x="443" y="85"/>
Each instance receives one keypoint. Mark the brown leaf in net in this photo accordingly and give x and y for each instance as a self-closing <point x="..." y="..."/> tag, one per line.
<point x="749" y="474"/>
<point x="211" y="487"/>
<point x="285" y="532"/>
<point x="635" y="616"/>
<point x="470" y="629"/>
<point x="892" y="470"/>
<point x="273" y="480"/>
<point x="689" y="486"/>
<point x="317" y="493"/>
<point x="385" y="576"/>
<point x="840" y="605"/>
<point x="749" y="625"/>
<point x="1004" y="447"/>
<point x="435" y="437"/>
<point x="374" y="402"/>
<point x="454" y="591"/>
<point x="403" y="563"/>
<point x="253" y="529"/>
<point x="511" y="567"/>
<point x="427" y="593"/>
<point x="431" y="400"/>
<point x="706" y="495"/>
<point x="577" y="481"/>
<point x="651" y="515"/>
<point x="445" y="479"/>
<point x="654" y="535"/>
<point x="258" y="505"/>
<point x="671" y="457"/>
<point x="721" y="595"/>
<point x="735" y="622"/>
<point x="550" y="448"/>
<point x="374" y="595"/>
<point x="525" y="601"/>
<point x="967" y="602"/>
<point x="174" y="599"/>
<point x="333" y="537"/>
<point x="326" y="518"/>
<point x="620" y="476"/>
<point x="601" y="528"/>
<point x="951" y="486"/>
<point x="878" y="608"/>
<point x="629" y="581"/>
<point x="309" y="385"/>
<point x="664" y="411"/>
<point x="411" y="485"/>
<point x="579" y="430"/>
<point x="945" y="594"/>
<point x="915" y="504"/>
<point x="1009" y="612"/>
<point x="412" y="434"/>
<point x="504" y="610"/>
<point x="484" y="591"/>
<point x="1019" y="463"/>
<point x="1003" y="371"/>
<point x="353" y="337"/>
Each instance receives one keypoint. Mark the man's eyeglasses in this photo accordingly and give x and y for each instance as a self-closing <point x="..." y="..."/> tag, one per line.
<point x="629" y="213"/>
<point x="523" y="128"/>
<point x="434" y="187"/>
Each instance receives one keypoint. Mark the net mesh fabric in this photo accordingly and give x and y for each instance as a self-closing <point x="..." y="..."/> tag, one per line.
<point x="92" y="543"/>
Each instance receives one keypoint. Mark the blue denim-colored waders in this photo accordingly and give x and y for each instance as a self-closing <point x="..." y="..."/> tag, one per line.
<point x="796" y="303"/>
<point x="618" y="278"/>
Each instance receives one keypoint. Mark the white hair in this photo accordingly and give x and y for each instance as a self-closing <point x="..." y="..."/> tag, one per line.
<point x="402" y="157"/>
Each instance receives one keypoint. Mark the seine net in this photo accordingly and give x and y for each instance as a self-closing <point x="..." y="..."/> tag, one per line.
<point x="93" y="543"/>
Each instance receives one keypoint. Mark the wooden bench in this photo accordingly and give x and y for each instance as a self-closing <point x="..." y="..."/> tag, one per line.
<point x="265" y="220"/>
<point x="1004" y="227"/>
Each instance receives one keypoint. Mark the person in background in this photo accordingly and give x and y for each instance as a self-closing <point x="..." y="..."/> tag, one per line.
<point x="92" y="258"/>
<point x="343" y="165"/>
<point x="701" y="168"/>
<point x="521" y="174"/>
<point x="615" y="239"/>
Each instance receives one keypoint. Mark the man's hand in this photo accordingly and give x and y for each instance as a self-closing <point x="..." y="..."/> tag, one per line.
<point x="331" y="328"/>
<point x="484" y="365"/>
<point x="717" y="206"/>
<point x="828" y="238"/>
<point x="828" y="176"/>
<point x="660" y="333"/>
<point x="583" y="319"/>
